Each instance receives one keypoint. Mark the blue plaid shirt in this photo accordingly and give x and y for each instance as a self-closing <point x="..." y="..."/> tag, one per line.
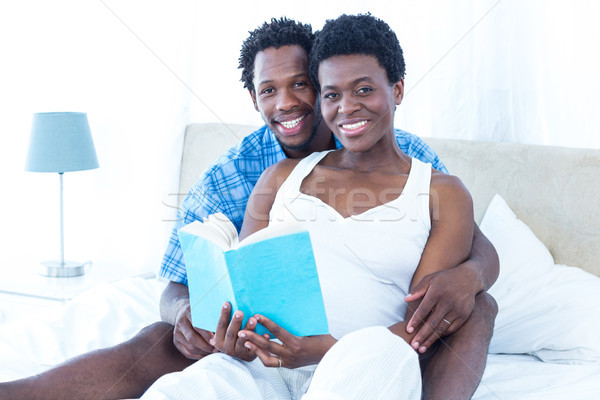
<point x="226" y="185"/>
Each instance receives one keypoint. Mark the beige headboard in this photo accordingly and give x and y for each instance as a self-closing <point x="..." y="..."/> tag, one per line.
<point x="556" y="191"/>
<point x="202" y="145"/>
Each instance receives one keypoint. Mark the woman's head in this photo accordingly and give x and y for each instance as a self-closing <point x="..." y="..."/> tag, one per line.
<point x="358" y="34"/>
<point x="358" y="66"/>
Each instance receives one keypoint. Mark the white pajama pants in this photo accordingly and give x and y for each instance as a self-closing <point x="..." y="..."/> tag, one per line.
<point x="371" y="363"/>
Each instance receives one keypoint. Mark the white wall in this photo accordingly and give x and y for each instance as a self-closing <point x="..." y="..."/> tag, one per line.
<point x="505" y="70"/>
<point x="114" y="62"/>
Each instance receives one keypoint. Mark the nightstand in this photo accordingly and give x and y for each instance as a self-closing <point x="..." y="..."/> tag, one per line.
<point x="25" y="292"/>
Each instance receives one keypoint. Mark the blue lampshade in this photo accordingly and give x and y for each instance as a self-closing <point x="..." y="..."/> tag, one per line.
<point x="61" y="142"/>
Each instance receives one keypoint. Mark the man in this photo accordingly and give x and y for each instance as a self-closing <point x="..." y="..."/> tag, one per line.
<point x="274" y="62"/>
<point x="281" y="91"/>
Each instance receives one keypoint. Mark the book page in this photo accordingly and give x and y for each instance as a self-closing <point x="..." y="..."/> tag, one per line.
<point x="217" y="228"/>
<point x="271" y="231"/>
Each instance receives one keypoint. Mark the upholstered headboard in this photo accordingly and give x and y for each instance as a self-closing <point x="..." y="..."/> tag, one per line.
<point x="202" y="145"/>
<point x="555" y="191"/>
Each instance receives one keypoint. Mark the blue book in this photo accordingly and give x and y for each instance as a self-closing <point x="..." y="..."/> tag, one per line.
<point x="271" y="272"/>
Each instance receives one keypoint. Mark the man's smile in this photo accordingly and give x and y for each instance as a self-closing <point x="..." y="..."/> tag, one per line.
<point x="292" y="123"/>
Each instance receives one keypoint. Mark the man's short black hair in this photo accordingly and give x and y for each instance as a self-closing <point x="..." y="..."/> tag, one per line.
<point x="358" y="34"/>
<point x="277" y="33"/>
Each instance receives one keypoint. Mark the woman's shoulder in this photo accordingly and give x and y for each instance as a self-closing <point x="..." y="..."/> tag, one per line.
<point x="449" y="187"/>
<point x="285" y="164"/>
<point x="281" y="168"/>
<point x="276" y="174"/>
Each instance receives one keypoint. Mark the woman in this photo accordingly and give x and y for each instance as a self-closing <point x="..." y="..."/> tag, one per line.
<point x="357" y="63"/>
<point x="370" y="210"/>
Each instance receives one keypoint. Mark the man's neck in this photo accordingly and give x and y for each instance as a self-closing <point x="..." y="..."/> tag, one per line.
<point x="322" y="141"/>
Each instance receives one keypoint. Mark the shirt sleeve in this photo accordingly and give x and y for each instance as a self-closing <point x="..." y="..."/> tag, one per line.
<point x="415" y="147"/>
<point x="224" y="187"/>
<point x="199" y="204"/>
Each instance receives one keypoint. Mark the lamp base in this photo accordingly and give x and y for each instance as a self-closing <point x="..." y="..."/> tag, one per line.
<point x="57" y="270"/>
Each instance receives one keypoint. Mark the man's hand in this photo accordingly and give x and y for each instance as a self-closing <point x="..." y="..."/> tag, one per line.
<point x="448" y="298"/>
<point x="226" y="337"/>
<point x="293" y="352"/>
<point x="193" y="343"/>
<point x="175" y="309"/>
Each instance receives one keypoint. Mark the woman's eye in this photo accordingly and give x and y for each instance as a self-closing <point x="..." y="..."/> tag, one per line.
<point x="329" y="96"/>
<point x="299" y="84"/>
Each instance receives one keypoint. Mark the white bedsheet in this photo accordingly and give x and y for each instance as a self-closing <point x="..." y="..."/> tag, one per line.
<point x="514" y="376"/>
<point x="111" y="313"/>
<point x="100" y="317"/>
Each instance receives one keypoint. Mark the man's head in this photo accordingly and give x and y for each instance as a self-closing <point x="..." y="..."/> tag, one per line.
<point x="358" y="34"/>
<point x="277" y="33"/>
<point x="274" y="63"/>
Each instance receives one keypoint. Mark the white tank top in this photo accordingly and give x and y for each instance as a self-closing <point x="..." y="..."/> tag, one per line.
<point x="366" y="261"/>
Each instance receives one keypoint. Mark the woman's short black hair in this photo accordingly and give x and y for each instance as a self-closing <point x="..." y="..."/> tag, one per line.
<point x="277" y="33"/>
<point x="358" y="34"/>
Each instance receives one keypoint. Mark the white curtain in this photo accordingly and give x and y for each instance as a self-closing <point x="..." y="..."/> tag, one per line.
<point x="502" y="70"/>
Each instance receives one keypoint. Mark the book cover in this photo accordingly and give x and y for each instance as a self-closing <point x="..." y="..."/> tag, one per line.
<point x="272" y="272"/>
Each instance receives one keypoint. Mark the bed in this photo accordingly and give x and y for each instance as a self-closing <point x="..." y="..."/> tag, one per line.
<point x="539" y="207"/>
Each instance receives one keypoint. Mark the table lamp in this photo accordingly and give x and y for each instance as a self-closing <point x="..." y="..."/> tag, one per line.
<point x="61" y="142"/>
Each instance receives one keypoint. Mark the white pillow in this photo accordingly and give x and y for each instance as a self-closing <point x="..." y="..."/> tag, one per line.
<point x="550" y="311"/>
<point x="522" y="255"/>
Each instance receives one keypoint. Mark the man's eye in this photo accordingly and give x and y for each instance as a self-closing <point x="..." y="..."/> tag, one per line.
<point x="267" y="91"/>
<point x="330" y="96"/>
<point x="364" y="90"/>
<point x="299" y="84"/>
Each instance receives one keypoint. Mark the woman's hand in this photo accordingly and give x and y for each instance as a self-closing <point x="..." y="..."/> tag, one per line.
<point x="293" y="352"/>
<point x="226" y="339"/>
